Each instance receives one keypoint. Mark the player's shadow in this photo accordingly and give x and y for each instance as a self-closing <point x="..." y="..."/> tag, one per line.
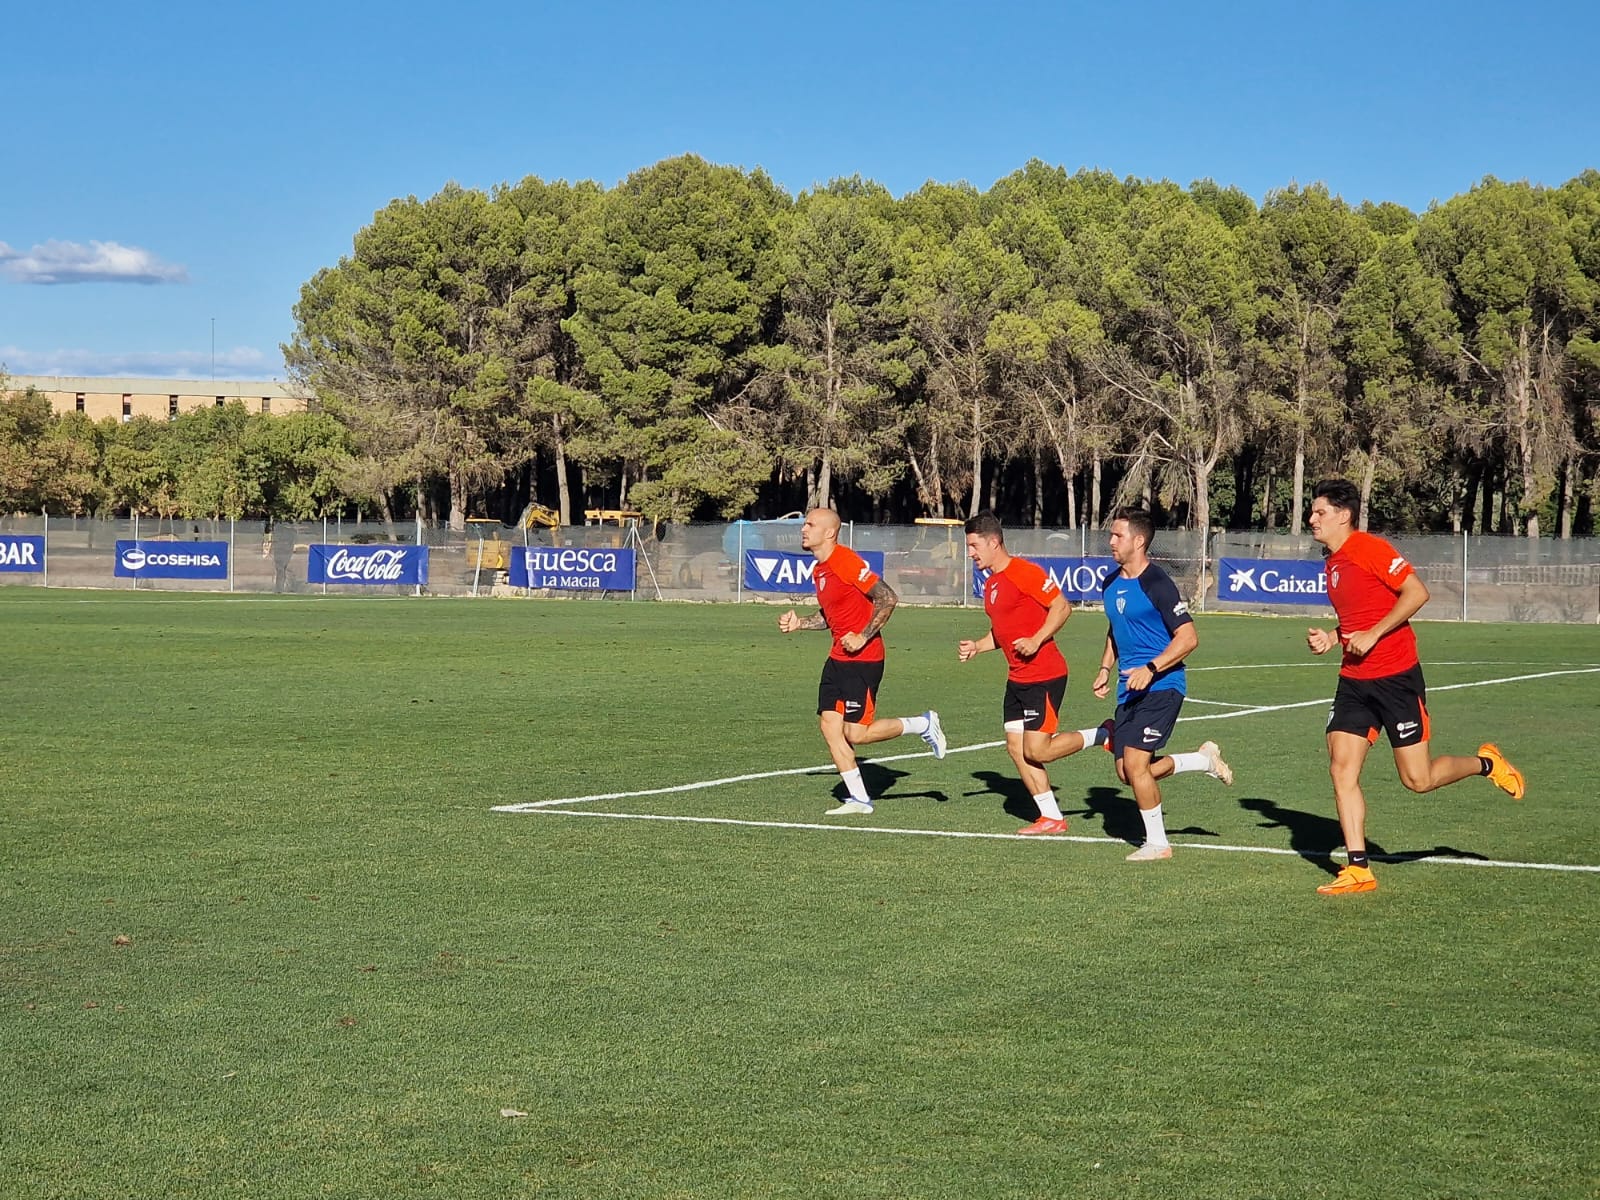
<point x="1119" y="816"/>
<point x="1315" y="837"/>
<point x="880" y="779"/>
<point x="1014" y="798"/>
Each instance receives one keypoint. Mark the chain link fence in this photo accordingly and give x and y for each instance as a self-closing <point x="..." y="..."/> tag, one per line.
<point x="1471" y="578"/>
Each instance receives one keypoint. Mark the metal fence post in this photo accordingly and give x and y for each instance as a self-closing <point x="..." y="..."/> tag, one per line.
<point x="1463" y="574"/>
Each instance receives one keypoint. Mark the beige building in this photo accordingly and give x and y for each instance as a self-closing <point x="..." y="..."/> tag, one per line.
<point x="100" y="397"/>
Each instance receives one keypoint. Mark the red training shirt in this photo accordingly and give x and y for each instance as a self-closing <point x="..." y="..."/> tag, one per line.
<point x="1364" y="577"/>
<point x="842" y="582"/>
<point x="1015" y="601"/>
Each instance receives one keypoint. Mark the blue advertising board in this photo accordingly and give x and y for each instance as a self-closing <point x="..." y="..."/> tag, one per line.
<point x="573" y="568"/>
<point x="171" y="560"/>
<point x="373" y="566"/>
<point x="785" y="571"/>
<point x="1079" y="578"/>
<point x="1271" y="581"/>
<point x="21" y="552"/>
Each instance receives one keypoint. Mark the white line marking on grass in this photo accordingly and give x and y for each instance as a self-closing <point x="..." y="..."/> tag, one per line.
<point x="531" y="805"/>
<point x="1215" y="703"/>
<point x="1443" y="860"/>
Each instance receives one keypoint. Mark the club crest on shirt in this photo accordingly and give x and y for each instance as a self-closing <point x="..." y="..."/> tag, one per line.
<point x="822" y="581"/>
<point x="1333" y="577"/>
<point x="1122" y="604"/>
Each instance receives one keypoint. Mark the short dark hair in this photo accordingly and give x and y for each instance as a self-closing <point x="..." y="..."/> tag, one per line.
<point x="986" y="524"/>
<point x="1340" y="493"/>
<point x="1140" y="523"/>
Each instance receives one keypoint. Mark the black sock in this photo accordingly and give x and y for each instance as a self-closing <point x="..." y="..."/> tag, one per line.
<point x="1484" y="765"/>
<point x="1358" y="858"/>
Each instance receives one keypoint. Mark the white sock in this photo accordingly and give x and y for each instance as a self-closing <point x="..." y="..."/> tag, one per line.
<point x="1193" y="761"/>
<point x="914" y="724"/>
<point x="858" y="788"/>
<point x="1155" y="829"/>
<point x="1048" y="806"/>
<point x="1093" y="737"/>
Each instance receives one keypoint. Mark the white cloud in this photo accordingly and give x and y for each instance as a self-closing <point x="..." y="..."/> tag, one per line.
<point x="238" y="362"/>
<point x="98" y="262"/>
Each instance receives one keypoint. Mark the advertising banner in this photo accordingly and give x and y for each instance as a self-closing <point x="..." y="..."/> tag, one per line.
<point x="375" y="566"/>
<point x="573" y="568"/>
<point x="21" y="552"/>
<point x="171" y="560"/>
<point x="785" y="571"/>
<point x="1079" y="578"/>
<point x="1271" y="581"/>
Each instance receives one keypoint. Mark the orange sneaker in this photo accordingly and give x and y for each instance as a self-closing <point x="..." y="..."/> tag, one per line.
<point x="1501" y="773"/>
<point x="1044" y="825"/>
<point x="1350" y="881"/>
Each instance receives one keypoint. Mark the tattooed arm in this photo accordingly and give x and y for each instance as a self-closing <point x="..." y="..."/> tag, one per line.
<point x="883" y="599"/>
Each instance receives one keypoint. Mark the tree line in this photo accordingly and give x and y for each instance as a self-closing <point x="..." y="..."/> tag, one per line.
<point x="697" y="343"/>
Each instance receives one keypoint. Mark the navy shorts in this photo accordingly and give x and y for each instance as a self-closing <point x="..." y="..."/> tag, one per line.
<point x="1146" y="720"/>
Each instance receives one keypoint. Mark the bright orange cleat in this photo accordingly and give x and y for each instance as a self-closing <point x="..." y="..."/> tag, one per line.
<point x="1501" y="773"/>
<point x="1044" y="825"/>
<point x="1350" y="881"/>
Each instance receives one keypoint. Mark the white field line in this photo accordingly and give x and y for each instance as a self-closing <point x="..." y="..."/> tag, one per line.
<point x="1443" y="860"/>
<point x="533" y="805"/>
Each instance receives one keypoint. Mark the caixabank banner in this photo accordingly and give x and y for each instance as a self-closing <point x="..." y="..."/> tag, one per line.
<point x="171" y="560"/>
<point x="21" y="552"/>
<point x="573" y="568"/>
<point x="1271" y="581"/>
<point x="372" y="566"/>
<point x="786" y="572"/>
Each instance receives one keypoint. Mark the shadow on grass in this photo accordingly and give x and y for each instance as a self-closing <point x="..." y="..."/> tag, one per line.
<point x="1118" y="814"/>
<point x="880" y="780"/>
<point x="1316" y="837"/>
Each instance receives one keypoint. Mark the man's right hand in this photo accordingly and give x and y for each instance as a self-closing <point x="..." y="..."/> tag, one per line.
<point x="788" y="622"/>
<point x="966" y="649"/>
<point x="1321" y="640"/>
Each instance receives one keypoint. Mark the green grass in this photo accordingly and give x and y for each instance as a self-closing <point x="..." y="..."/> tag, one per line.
<point x="343" y="964"/>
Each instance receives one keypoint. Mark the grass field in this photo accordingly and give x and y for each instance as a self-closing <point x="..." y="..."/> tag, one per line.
<point x="264" y="933"/>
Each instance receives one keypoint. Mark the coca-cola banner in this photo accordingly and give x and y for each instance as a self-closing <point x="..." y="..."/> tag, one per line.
<point x="374" y="565"/>
<point x="573" y="568"/>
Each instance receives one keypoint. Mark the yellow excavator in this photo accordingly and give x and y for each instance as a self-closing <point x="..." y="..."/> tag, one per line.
<point x="488" y="550"/>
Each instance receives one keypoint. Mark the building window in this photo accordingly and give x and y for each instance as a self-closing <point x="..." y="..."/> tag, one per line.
<point x="220" y="401"/>
<point x="266" y="404"/>
<point x="127" y="406"/>
<point x="172" y="408"/>
<point x="80" y="401"/>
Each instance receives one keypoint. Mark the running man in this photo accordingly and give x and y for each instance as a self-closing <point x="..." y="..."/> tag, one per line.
<point x="855" y="604"/>
<point x="1375" y="593"/>
<point x="1151" y="629"/>
<point x="1025" y="610"/>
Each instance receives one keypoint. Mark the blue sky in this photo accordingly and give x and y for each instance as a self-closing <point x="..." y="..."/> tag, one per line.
<point x="171" y="165"/>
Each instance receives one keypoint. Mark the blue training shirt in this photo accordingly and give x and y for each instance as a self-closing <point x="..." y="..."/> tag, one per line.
<point x="1144" y="614"/>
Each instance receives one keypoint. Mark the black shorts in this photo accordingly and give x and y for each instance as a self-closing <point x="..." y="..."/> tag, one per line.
<point x="850" y="688"/>
<point x="1396" y="704"/>
<point x="1036" y="705"/>
<point x="1146" y="720"/>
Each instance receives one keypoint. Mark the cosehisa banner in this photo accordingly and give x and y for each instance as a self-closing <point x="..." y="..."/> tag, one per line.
<point x="171" y="560"/>
<point x="375" y="566"/>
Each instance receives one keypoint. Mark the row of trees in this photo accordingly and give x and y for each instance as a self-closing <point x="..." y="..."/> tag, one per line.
<point x="213" y="462"/>
<point x="695" y="342"/>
